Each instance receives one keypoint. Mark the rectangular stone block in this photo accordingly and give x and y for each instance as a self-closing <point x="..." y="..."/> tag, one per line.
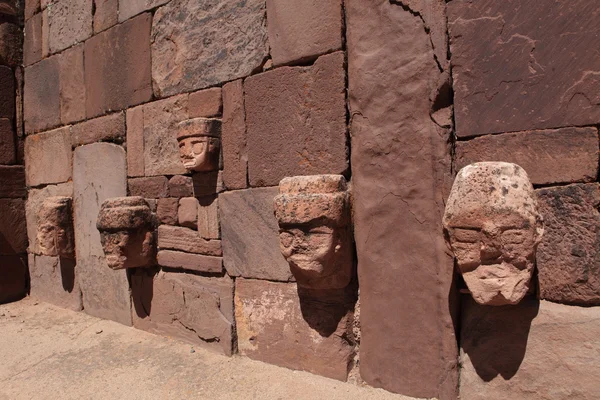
<point x="549" y="156"/>
<point x="117" y="67"/>
<point x="48" y="157"/>
<point x="206" y="103"/>
<point x="129" y="8"/>
<point x="7" y="142"/>
<point x="72" y="85"/>
<point x="188" y="240"/>
<point x="190" y="262"/>
<point x="153" y="187"/>
<point x="250" y="235"/>
<point x="181" y="186"/>
<point x="41" y="98"/>
<point x="7" y="92"/>
<point x="70" y="22"/>
<point x="301" y="30"/>
<point x="208" y="217"/>
<point x="12" y="181"/>
<point x="233" y="137"/>
<point x="490" y="97"/>
<point x="296" y="121"/>
<point x="11" y="47"/>
<point x="99" y="173"/>
<point x="568" y="258"/>
<point x="166" y="210"/>
<point x="45" y="32"/>
<point x="187" y="213"/>
<point x="31" y="7"/>
<point x="13" y="278"/>
<point x="196" y="309"/>
<point x="54" y="281"/>
<point x="13" y="228"/>
<point x="535" y="350"/>
<point x="32" y="43"/>
<point x="278" y="324"/>
<point x="208" y="183"/>
<point x="108" y="128"/>
<point x="106" y="14"/>
<point x="135" y="141"/>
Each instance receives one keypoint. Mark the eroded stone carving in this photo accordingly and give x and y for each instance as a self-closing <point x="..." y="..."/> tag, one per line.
<point x="126" y="226"/>
<point x="493" y="226"/>
<point x="314" y="230"/>
<point x="55" y="227"/>
<point x="200" y="143"/>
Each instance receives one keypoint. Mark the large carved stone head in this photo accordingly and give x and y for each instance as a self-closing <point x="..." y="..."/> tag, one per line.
<point x="314" y="230"/>
<point x="200" y="143"/>
<point x="126" y="226"/>
<point x="55" y="227"/>
<point x="493" y="226"/>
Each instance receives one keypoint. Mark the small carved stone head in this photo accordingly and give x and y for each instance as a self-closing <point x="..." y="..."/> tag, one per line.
<point x="126" y="226"/>
<point x="55" y="227"/>
<point x="493" y="227"/>
<point x="200" y="143"/>
<point x="314" y="230"/>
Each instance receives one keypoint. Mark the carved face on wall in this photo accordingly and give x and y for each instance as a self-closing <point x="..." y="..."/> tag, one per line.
<point x="200" y="144"/>
<point x="55" y="227"/>
<point x="126" y="226"/>
<point x="493" y="227"/>
<point x="314" y="236"/>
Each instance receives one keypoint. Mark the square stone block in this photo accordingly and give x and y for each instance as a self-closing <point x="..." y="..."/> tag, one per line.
<point x="48" y="157"/>
<point x="70" y="22"/>
<point x="41" y="100"/>
<point x="53" y="280"/>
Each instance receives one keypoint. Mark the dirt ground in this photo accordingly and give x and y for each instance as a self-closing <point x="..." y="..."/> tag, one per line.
<point x="50" y="353"/>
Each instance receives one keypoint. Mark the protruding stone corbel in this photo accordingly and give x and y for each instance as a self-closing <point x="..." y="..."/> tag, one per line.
<point x="200" y="144"/>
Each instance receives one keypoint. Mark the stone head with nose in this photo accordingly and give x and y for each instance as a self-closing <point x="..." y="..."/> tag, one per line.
<point x="200" y="143"/>
<point x="493" y="227"/>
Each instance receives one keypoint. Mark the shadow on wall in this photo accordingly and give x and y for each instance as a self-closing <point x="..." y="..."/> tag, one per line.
<point x="141" y="281"/>
<point x="495" y="338"/>
<point x="67" y="273"/>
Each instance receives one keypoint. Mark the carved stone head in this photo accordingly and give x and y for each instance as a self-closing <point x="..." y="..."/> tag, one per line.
<point x="126" y="226"/>
<point x="200" y="143"/>
<point x="493" y="226"/>
<point x="314" y="230"/>
<point x="55" y="227"/>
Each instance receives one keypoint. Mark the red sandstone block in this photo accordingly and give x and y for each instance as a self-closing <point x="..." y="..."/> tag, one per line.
<point x="12" y="181"/>
<point x="31" y="7"/>
<point x="48" y="157"/>
<point x="108" y="128"/>
<point x="32" y="45"/>
<point x="191" y="262"/>
<point x="13" y="278"/>
<point x="72" y="85"/>
<point x="187" y="240"/>
<point x="70" y="22"/>
<point x="11" y="44"/>
<point x="205" y="103"/>
<point x="153" y="187"/>
<point x="233" y="136"/>
<point x="135" y="141"/>
<point x="7" y="142"/>
<point x="117" y="67"/>
<point x="106" y="14"/>
<point x="129" y="8"/>
<point x="41" y="101"/>
<point x="13" y="227"/>
<point x="166" y="210"/>
<point x="181" y="186"/>
<point x="7" y="92"/>
<point x="549" y="156"/>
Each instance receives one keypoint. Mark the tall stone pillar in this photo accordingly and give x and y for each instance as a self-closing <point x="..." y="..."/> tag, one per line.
<point x="401" y="170"/>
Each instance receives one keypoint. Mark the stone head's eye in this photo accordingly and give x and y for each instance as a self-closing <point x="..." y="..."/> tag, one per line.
<point x="286" y="239"/>
<point x="198" y="147"/>
<point x="466" y="235"/>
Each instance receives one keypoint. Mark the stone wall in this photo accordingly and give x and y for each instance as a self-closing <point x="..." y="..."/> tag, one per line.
<point x="397" y="96"/>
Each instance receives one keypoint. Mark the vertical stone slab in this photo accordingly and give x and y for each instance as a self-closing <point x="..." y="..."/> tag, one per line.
<point x="233" y="136"/>
<point x="99" y="172"/>
<point x="53" y="280"/>
<point x="400" y="164"/>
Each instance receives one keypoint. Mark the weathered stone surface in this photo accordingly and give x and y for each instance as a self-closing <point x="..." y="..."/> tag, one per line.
<point x="503" y="86"/>
<point x="233" y="136"/>
<point x="70" y="22"/>
<point x="166" y="210"/>
<point x="45" y="33"/>
<point x="296" y="121"/>
<point x="208" y="183"/>
<point x="250" y="235"/>
<point x="190" y="262"/>
<point x="105" y="15"/>
<point x="108" y="128"/>
<point x="161" y="151"/>
<point x="48" y="157"/>
<point x="549" y="156"/>
<point x="208" y="217"/>
<point x="12" y="181"/>
<point x="13" y="228"/>
<point x="181" y="186"/>
<point x="31" y="7"/>
<point x="568" y="258"/>
<point x="233" y="43"/>
<point x="199" y="141"/>
<point x="13" y="278"/>
<point x="99" y="172"/>
<point x="206" y="103"/>
<point x="135" y="141"/>
<point x="32" y="43"/>
<point x="400" y="171"/>
<point x="117" y="67"/>
<point x="42" y="95"/>
<point x="188" y="240"/>
<point x="536" y="350"/>
<point x="54" y="281"/>
<point x="7" y="92"/>
<point x="300" y="330"/>
<point x="187" y="214"/>
<point x="7" y="142"/>
<point x="35" y="199"/>
<point x="196" y="309"/>
<point x="11" y="43"/>
<point x="72" y="85"/>
<point x="303" y="29"/>
<point x="129" y="8"/>
<point x="153" y="187"/>
<point x="55" y="235"/>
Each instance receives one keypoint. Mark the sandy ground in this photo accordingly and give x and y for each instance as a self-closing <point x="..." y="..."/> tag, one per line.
<point x="50" y="353"/>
